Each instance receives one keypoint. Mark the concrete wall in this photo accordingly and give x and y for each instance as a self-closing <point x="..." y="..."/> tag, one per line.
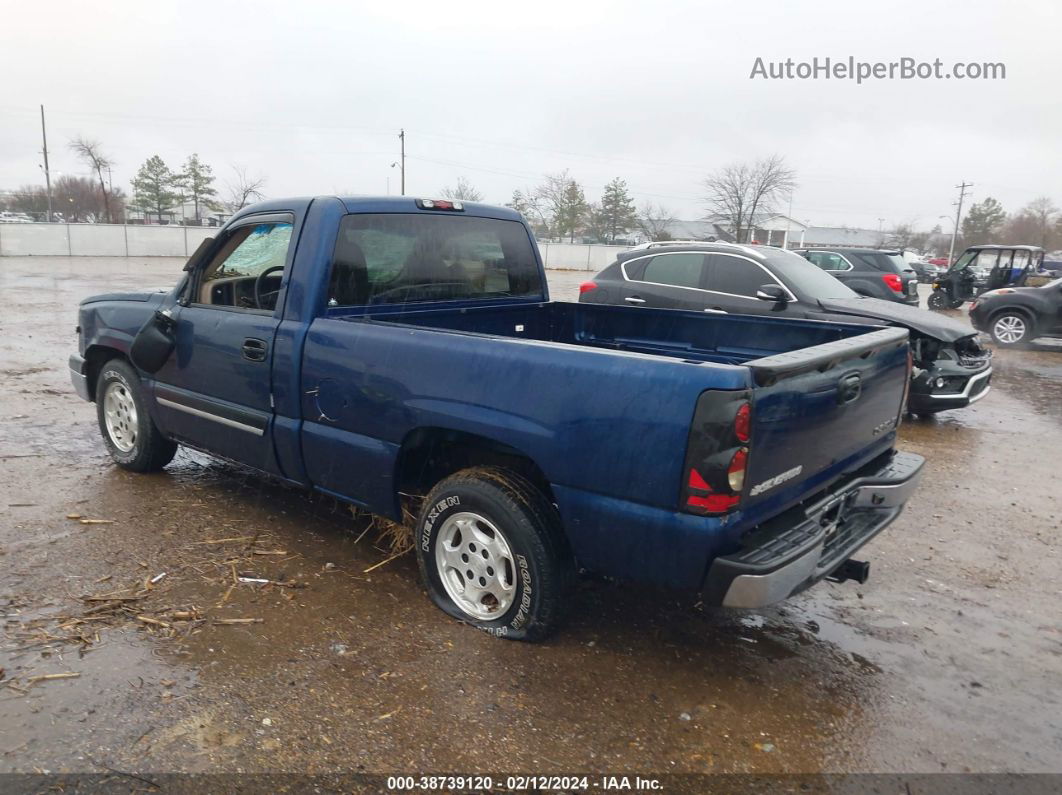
<point x="116" y="240"/>
<point x="577" y="257"/>
<point x="100" y="240"/>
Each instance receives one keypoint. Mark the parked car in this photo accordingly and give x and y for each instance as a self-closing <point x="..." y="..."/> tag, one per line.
<point x="983" y="268"/>
<point x="371" y="348"/>
<point x="7" y="217"/>
<point x="926" y="271"/>
<point x="951" y="369"/>
<point x="874" y="273"/>
<point x="1016" y="315"/>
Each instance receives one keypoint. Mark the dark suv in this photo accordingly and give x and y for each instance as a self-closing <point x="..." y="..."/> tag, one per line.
<point x="876" y="273"/>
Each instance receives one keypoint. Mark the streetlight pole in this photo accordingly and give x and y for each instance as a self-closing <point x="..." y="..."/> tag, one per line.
<point x="47" y="174"/>
<point x="958" y="215"/>
<point x="402" y="138"/>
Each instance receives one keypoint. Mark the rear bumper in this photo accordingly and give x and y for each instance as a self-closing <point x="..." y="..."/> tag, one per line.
<point x="806" y="544"/>
<point x="78" y="377"/>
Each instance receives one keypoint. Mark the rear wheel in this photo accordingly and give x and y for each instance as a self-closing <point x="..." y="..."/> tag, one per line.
<point x="1010" y="328"/>
<point x="491" y="552"/>
<point x="128" y="430"/>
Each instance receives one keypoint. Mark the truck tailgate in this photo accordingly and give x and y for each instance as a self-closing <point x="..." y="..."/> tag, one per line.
<point x="820" y="412"/>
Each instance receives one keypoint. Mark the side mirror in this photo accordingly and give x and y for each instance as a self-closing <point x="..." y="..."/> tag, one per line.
<point x="772" y="292"/>
<point x="198" y="255"/>
<point x="155" y="341"/>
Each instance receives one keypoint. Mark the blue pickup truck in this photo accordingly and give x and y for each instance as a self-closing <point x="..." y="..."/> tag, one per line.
<point x="371" y="348"/>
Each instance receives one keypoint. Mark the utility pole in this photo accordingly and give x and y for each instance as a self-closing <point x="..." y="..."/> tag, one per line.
<point x="47" y="173"/>
<point x="958" y="216"/>
<point x="402" y="138"/>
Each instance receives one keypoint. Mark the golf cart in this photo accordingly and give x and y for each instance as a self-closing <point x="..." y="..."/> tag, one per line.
<point x="984" y="268"/>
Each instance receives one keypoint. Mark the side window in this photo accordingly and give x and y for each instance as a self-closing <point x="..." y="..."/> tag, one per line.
<point x="1020" y="262"/>
<point x="986" y="259"/>
<point x="680" y="270"/>
<point x="737" y="276"/>
<point x="828" y="261"/>
<point x="247" y="271"/>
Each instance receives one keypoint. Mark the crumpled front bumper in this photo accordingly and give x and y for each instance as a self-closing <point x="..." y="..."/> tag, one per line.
<point x="964" y="386"/>
<point x="806" y="544"/>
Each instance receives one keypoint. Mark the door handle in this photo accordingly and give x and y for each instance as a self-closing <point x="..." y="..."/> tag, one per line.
<point x="716" y="311"/>
<point x="633" y="299"/>
<point x="254" y="349"/>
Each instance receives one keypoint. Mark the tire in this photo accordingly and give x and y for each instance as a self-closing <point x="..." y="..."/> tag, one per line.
<point x="937" y="300"/>
<point x="488" y="515"/>
<point x="125" y="424"/>
<point x="1010" y="328"/>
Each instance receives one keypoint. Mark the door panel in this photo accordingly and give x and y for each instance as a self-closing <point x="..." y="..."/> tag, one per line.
<point x="210" y="394"/>
<point x="215" y="392"/>
<point x="732" y="283"/>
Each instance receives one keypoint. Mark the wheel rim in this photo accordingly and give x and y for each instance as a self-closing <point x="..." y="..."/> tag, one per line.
<point x="476" y="565"/>
<point x="1009" y="329"/>
<point x="119" y="414"/>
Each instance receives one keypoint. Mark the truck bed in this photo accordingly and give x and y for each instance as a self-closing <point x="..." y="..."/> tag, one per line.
<point x="690" y="336"/>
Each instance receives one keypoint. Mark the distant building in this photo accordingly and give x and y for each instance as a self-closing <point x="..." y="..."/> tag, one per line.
<point x="183" y="214"/>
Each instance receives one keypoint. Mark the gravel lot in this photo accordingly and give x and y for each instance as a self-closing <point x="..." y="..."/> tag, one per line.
<point x="948" y="659"/>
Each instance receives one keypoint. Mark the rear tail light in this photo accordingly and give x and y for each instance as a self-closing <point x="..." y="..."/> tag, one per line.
<point x="586" y="287"/>
<point x="717" y="453"/>
<point x="893" y="280"/>
<point x="735" y="473"/>
<point x="742" y="422"/>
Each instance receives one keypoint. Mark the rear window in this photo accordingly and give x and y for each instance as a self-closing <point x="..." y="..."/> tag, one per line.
<point x="805" y="279"/>
<point x="886" y="263"/>
<point x="398" y="258"/>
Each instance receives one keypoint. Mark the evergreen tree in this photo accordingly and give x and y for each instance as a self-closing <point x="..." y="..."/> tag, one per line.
<point x="983" y="221"/>
<point x="571" y="210"/>
<point x="617" y="209"/>
<point x="196" y="180"/>
<point x="154" y="186"/>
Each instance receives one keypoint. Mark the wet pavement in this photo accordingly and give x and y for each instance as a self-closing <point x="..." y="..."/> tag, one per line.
<point x="948" y="659"/>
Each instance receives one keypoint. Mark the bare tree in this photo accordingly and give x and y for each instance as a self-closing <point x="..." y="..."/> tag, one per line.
<point x="1044" y="211"/>
<point x="529" y="205"/>
<point x="92" y="153"/>
<point x="740" y="191"/>
<point x="244" y="189"/>
<point x="464" y="191"/>
<point x="654" y="221"/>
<point x="901" y="237"/>
<point x="550" y="199"/>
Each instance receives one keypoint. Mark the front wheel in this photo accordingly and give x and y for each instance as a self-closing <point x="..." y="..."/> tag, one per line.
<point x="492" y="554"/>
<point x="937" y="300"/>
<point x="128" y="430"/>
<point x="1010" y="328"/>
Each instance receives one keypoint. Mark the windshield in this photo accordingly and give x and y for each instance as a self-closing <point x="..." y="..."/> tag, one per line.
<point x="399" y="258"/>
<point x="880" y="260"/>
<point x="805" y="279"/>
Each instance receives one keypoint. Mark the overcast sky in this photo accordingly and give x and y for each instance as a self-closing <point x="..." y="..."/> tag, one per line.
<point x="311" y="95"/>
